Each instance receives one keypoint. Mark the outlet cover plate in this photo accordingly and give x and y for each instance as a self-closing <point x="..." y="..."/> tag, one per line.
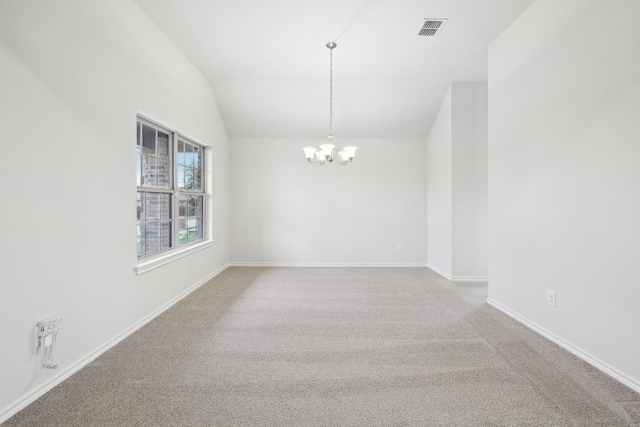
<point x="551" y="298"/>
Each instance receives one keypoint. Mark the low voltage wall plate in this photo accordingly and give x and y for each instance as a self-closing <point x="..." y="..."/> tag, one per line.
<point x="46" y="336"/>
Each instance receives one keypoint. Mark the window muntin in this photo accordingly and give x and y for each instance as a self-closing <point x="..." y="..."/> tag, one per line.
<point x="157" y="190"/>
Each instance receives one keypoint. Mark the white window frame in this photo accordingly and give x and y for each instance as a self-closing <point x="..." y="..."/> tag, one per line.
<point x="150" y="262"/>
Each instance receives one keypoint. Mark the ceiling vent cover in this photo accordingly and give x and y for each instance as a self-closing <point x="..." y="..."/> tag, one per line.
<point x="432" y="27"/>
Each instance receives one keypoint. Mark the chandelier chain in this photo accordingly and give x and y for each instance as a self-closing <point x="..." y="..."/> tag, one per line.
<point x="330" y="92"/>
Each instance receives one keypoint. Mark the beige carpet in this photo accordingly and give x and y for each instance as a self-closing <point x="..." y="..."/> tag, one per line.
<point x="335" y="347"/>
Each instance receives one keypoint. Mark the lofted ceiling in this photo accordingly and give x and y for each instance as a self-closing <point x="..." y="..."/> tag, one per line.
<point x="268" y="64"/>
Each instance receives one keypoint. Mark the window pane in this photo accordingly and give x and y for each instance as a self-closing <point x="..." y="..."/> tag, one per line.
<point x="138" y="167"/>
<point x="148" y="140"/>
<point x="182" y="231"/>
<point x="152" y="207"/>
<point x="165" y="206"/>
<point x="198" y="180"/>
<point x="191" y="229"/>
<point x="138" y="135"/>
<point x="163" y="173"/>
<point x="199" y="205"/>
<point x="140" y="208"/>
<point x="152" y="238"/>
<point x="165" y="241"/>
<point x="188" y="156"/>
<point x="200" y="229"/>
<point x="154" y="225"/>
<point x="162" y="145"/>
<point x="140" y="223"/>
<point x="148" y="171"/>
<point x="140" y="239"/>
<point x="197" y="152"/>
<point x="181" y="152"/>
<point x="190" y="178"/>
<point x="182" y="207"/>
<point x="189" y="167"/>
<point x="180" y="182"/>
<point x="192" y="206"/>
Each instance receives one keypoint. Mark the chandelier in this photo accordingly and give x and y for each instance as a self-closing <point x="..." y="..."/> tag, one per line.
<point x="328" y="152"/>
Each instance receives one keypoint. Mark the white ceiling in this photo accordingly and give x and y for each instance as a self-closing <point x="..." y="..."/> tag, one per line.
<point x="268" y="65"/>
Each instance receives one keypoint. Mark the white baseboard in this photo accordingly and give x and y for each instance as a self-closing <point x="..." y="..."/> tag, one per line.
<point x="629" y="382"/>
<point x="31" y="396"/>
<point x="470" y="279"/>
<point x="320" y="264"/>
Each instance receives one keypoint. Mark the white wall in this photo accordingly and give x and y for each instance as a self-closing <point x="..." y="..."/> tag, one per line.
<point x="564" y="180"/>
<point x="469" y="179"/>
<point x="440" y="192"/>
<point x="457" y="184"/>
<point x="72" y="76"/>
<point x="290" y="212"/>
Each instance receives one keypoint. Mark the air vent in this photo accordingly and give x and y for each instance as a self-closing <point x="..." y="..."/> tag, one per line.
<point x="432" y="27"/>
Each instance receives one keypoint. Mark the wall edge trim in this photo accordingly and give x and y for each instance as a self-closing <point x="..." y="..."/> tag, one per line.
<point x="440" y="272"/>
<point x="594" y="361"/>
<point x="33" y="395"/>
<point x="458" y="278"/>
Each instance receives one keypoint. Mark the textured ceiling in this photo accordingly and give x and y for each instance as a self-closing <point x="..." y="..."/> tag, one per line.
<point x="269" y="68"/>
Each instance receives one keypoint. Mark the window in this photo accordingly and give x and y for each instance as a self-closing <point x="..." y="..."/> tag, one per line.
<point x="170" y="171"/>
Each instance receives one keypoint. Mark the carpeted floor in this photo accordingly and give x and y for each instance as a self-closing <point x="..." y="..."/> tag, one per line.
<point x="335" y="347"/>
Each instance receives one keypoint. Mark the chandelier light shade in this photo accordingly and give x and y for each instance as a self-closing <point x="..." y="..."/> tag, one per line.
<point x="328" y="152"/>
<point x="309" y="152"/>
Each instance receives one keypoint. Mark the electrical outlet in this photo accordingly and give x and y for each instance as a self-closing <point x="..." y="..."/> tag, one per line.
<point x="399" y="247"/>
<point x="551" y="298"/>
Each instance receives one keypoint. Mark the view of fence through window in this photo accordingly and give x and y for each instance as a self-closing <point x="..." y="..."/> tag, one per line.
<point x="157" y="188"/>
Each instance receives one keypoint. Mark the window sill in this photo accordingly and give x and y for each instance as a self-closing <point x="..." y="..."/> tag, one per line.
<point x="160" y="260"/>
